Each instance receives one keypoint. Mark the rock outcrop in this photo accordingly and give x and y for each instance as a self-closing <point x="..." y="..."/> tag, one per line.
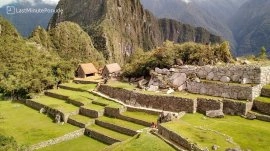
<point x="119" y="27"/>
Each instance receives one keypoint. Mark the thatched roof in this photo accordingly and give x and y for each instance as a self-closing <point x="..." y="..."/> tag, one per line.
<point x="114" y="67"/>
<point x="88" y="68"/>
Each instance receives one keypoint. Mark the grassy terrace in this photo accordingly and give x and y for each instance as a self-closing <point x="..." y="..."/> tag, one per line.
<point x="142" y="116"/>
<point x="82" y="143"/>
<point x="144" y="141"/>
<point x="56" y="104"/>
<point x="82" y="119"/>
<point x="108" y="132"/>
<point x="263" y="99"/>
<point x="28" y="126"/>
<point x="121" y="123"/>
<point x="253" y="135"/>
<point x="94" y="107"/>
<point x="187" y="95"/>
<point x="84" y="97"/>
<point x="85" y="87"/>
<point x="267" y="86"/>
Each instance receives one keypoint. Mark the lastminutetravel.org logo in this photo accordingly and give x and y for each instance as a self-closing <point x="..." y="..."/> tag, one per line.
<point x="11" y="10"/>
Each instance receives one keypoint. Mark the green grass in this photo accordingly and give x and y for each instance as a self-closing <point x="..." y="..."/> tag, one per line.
<point x="82" y="119"/>
<point x="267" y="86"/>
<point x="28" y="126"/>
<point x="82" y="143"/>
<point x="142" y="116"/>
<point x="85" y="87"/>
<point x="144" y="141"/>
<point x="108" y="132"/>
<point x="253" y="135"/>
<point x="121" y="123"/>
<point x="94" y="107"/>
<point x="56" y="104"/>
<point x="263" y="99"/>
<point x="122" y="85"/>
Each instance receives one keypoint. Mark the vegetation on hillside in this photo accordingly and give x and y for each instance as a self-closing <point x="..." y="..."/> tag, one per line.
<point x="165" y="57"/>
<point x="27" y="67"/>
<point x="70" y="42"/>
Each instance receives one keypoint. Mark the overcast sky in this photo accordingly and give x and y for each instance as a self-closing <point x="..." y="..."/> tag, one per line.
<point x="6" y="2"/>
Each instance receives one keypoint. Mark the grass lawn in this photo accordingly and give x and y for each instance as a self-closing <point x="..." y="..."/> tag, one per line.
<point x="82" y="143"/>
<point x="108" y="132"/>
<point x="56" y="104"/>
<point x="253" y="135"/>
<point x="263" y="99"/>
<point x="122" y="123"/>
<point x="82" y="119"/>
<point x="122" y="85"/>
<point x="28" y="126"/>
<point x="144" y="141"/>
<point x="94" y="107"/>
<point x="80" y="86"/>
<point x="142" y="116"/>
<point x="267" y="86"/>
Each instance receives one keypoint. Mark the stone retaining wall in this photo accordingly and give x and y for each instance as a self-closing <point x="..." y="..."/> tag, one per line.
<point x="265" y="92"/>
<point x="172" y="136"/>
<point x="103" y="138"/>
<point x="262" y="107"/>
<point x="50" y="111"/>
<point x="116" y="128"/>
<point x="113" y="112"/>
<point x="50" y="142"/>
<point x="133" y="120"/>
<point x="91" y="113"/>
<point x="254" y="74"/>
<point x="204" y="105"/>
<point x="168" y="103"/>
<point x="231" y="107"/>
<point x="79" y="124"/>
<point x="237" y="92"/>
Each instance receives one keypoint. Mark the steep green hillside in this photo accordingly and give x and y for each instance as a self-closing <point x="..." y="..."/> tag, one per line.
<point x="70" y="42"/>
<point x="27" y="67"/>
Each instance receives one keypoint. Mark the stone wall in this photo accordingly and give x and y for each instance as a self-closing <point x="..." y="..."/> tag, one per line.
<point x="116" y="128"/>
<point x="79" y="124"/>
<point x="262" y="107"/>
<point x="50" y="111"/>
<point x="231" y="91"/>
<point x="66" y="137"/>
<point x="265" y="92"/>
<point x="231" y="107"/>
<point x="91" y="113"/>
<point x="204" y="105"/>
<point x="133" y="120"/>
<point x="172" y="136"/>
<point x="168" y="103"/>
<point x="113" y="112"/>
<point x="103" y="138"/>
<point x="252" y="73"/>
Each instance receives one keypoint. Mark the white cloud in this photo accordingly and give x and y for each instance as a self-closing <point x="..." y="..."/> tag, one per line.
<point x="6" y="2"/>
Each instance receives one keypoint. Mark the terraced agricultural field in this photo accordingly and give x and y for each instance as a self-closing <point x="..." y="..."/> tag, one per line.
<point x="206" y="132"/>
<point x="82" y="143"/>
<point x="85" y="87"/>
<point x="28" y="126"/>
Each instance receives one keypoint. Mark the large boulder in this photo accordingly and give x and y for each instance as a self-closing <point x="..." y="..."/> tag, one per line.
<point x="210" y="76"/>
<point x="225" y="79"/>
<point x="152" y="88"/>
<point x="178" y="79"/>
<point x="215" y="114"/>
<point x="142" y="83"/>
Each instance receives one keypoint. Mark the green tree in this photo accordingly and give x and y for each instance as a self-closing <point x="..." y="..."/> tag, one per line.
<point x="263" y="54"/>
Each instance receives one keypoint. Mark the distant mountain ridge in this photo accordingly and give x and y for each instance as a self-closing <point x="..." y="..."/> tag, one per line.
<point x="119" y="27"/>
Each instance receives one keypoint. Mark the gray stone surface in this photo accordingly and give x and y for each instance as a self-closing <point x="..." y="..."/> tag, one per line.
<point x="215" y="114"/>
<point x="225" y="79"/>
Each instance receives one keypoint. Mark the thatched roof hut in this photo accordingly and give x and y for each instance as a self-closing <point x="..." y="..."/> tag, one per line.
<point x="86" y="70"/>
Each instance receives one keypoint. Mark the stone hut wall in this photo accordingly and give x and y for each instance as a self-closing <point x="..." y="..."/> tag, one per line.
<point x="204" y="105"/>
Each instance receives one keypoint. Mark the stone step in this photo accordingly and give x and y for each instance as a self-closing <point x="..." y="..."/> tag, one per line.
<point x="262" y="105"/>
<point x="260" y="116"/>
<point x="105" y="135"/>
<point x="92" y="110"/>
<point x="119" y="125"/>
<point x="140" y="118"/>
<point x="80" y="121"/>
<point x="266" y="91"/>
